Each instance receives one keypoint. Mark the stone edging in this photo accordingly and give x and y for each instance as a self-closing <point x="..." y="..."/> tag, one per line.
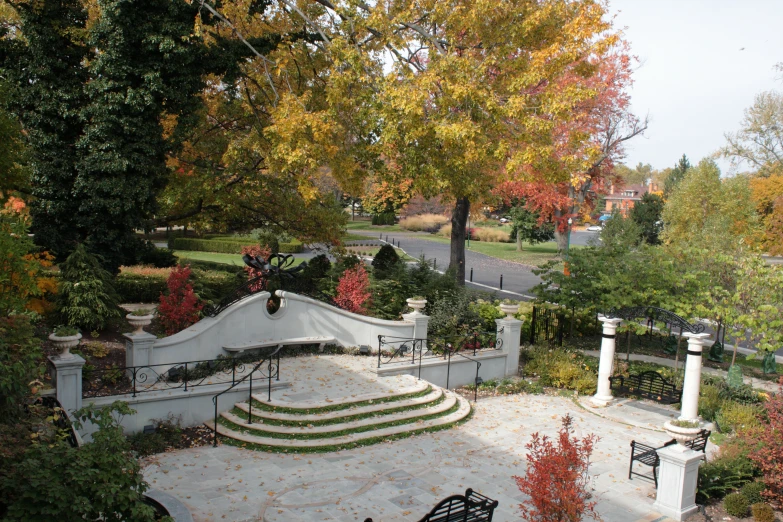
<point x="176" y="509"/>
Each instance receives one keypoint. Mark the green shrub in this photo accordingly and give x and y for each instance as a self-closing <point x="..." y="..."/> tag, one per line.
<point x="149" y="254"/>
<point x="96" y="349"/>
<point x="213" y="266"/>
<point x="734" y="416"/>
<point x="268" y="239"/>
<point x="168" y="433"/>
<point x="385" y="259"/>
<point x="710" y="402"/>
<point x="292" y="247"/>
<point x="386" y="218"/>
<point x="87" y="297"/>
<point x="762" y="512"/>
<point x="143" y="285"/>
<point x="736" y="505"/>
<point x="752" y="491"/>
<point x="20" y="364"/>
<point x="212" y="245"/>
<point x="731" y="470"/>
<point x="562" y="369"/>
<point x="744" y="394"/>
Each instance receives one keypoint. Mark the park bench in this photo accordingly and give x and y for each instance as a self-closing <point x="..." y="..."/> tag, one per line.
<point x="649" y="385"/>
<point x="239" y="348"/>
<point x="470" y="507"/>
<point x="648" y="455"/>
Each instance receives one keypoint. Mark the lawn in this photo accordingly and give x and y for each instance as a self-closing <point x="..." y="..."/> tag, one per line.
<point x="227" y="259"/>
<point x="367" y="225"/>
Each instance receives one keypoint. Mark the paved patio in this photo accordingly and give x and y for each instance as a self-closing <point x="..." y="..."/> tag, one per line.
<point x="400" y="480"/>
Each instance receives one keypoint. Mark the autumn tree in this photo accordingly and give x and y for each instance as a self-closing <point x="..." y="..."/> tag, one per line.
<point x="587" y="147"/>
<point x="759" y="142"/>
<point x="707" y="211"/>
<point x="767" y="194"/>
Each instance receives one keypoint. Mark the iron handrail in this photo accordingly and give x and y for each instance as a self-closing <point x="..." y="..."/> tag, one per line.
<point x="269" y="376"/>
<point x="448" y="369"/>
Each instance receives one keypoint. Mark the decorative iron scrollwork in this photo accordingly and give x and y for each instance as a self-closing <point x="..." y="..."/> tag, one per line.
<point x="656" y="314"/>
<point x="278" y="266"/>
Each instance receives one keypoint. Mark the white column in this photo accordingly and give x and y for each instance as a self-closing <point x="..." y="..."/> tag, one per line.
<point x="692" y="384"/>
<point x="420" y="326"/>
<point x="68" y="381"/>
<point x="508" y="332"/>
<point x="603" y="395"/>
<point x="677" y="479"/>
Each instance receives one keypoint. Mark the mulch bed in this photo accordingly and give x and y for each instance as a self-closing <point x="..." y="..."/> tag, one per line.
<point x="715" y="513"/>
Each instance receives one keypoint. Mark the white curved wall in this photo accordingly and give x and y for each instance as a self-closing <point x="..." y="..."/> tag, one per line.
<point x="249" y="322"/>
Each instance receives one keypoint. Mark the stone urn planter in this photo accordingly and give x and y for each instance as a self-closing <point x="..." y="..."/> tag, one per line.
<point x="416" y="303"/>
<point x="682" y="434"/>
<point x="509" y="309"/>
<point x="65" y="343"/>
<point x="139" y="322"/>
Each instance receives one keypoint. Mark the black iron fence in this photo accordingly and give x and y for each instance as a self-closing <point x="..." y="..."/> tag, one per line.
<point x="547" y="326"/>
<point x="163" y="377"/>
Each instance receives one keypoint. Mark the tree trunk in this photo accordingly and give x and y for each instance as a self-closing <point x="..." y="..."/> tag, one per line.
<point x="519" y="242"/>
<point x="459" y="219"/>
<point x="353" y="209"/>
<point x="560" y="239"/>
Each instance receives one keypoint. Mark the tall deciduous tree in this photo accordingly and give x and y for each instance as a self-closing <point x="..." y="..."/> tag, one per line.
<point x="767" y="193"/>
<point x="707" y="211"/>
<point x="759" y="142"/>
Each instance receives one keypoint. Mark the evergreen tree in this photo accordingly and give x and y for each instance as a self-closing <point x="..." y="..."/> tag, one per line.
<point x="677" y="173"/>
<point x="647" y="214"/>
<point x="46" y="93"/>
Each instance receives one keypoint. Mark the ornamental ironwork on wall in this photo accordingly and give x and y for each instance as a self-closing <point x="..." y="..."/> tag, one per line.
<point x="656" y="314"/>
<point x="278" y="266"/>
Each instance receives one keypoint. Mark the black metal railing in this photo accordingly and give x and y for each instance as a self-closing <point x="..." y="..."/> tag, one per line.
<point x="408" y="350"/>
<point x="272" y="371"/>
<point x="160" y="377"/>
<point x="547" y="325"/>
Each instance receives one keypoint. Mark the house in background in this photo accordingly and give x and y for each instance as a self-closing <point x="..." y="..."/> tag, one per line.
<point x="623" y="198"/>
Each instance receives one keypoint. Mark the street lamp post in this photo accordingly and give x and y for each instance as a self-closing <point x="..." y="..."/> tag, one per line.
<point x="566" y="271"/>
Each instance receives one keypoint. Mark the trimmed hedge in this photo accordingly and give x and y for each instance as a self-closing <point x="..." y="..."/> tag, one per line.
<point x="213" y="266"/>
<point x="210" y="285"/>
<point x="228" y="246"/>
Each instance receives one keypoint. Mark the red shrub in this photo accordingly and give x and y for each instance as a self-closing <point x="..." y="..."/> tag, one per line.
<point x="768" y="452"/>
<point x="252" y="273"/>
<point x="556" y="479"/>
<point x="180" y="308"/>
<point x="353" y="290"/>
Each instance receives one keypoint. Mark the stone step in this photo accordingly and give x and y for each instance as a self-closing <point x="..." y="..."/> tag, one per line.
<point x="417" y="387"/>
<point x="441" y="407"/>
<point x="434" y="395"/>
<point x="461" y="413"/>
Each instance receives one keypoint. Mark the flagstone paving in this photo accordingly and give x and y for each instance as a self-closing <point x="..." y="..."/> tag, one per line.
<point x="401" y="480"/>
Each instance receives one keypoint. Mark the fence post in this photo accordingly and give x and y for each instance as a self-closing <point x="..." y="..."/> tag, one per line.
<point x="471" y="274"/>
<point x="509" y="330"/>
<point x="68" y="381"/>
<point x="533" y="327"/>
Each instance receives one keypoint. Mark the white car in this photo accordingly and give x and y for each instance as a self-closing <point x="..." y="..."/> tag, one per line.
<point x="505" y="220"/>
<point x="594" y="228"/>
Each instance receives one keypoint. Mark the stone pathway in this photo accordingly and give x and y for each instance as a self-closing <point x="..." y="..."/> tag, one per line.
<point x="399" y="480"/>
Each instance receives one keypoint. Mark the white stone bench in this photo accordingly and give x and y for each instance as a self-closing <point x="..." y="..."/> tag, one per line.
<point x="239" y="348"/>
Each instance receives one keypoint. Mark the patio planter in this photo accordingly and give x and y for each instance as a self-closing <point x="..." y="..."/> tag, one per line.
<point x="139" y="322"/>
<point x="509" y="310"/>
<point x="417" y="304"/>
<point x="65" y="343"/>
<point x="680" y="434"/>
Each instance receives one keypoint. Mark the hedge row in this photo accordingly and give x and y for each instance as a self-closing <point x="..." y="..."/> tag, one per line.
<point x="226" y="246"/>
<point x="209" y="285"/>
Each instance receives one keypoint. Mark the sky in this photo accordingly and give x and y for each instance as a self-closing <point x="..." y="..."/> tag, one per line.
<point x="701" y="64"/>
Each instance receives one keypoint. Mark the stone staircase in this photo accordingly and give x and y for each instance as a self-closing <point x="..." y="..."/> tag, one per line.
<point x="341" y="424"/>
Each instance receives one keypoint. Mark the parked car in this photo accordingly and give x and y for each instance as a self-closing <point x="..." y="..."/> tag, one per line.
<point x="505" y="220"/>
<point x="594" y="228"/>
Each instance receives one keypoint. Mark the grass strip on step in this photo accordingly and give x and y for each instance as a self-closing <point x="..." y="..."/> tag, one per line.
<point x="333" y="434"/>
<point x="339" y="447"/>
<point x="338" y="407"/>
<point x="338" y="420"/>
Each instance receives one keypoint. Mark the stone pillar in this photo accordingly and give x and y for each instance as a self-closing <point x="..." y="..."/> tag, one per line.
<point x="692" y="384"/>
<point x="508" y="332"/>
<point x="420" y="326"/>
<point x="138" y="349"/>
<point x="603" y="395"/>
<point x="677" y="479"/>
<point x="68" y="381"/>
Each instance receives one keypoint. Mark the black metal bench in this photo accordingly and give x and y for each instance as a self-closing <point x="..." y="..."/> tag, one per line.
<point x="648" y="455"/>
<point x="470" y="507"/>
<point x="648" y="385"/>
